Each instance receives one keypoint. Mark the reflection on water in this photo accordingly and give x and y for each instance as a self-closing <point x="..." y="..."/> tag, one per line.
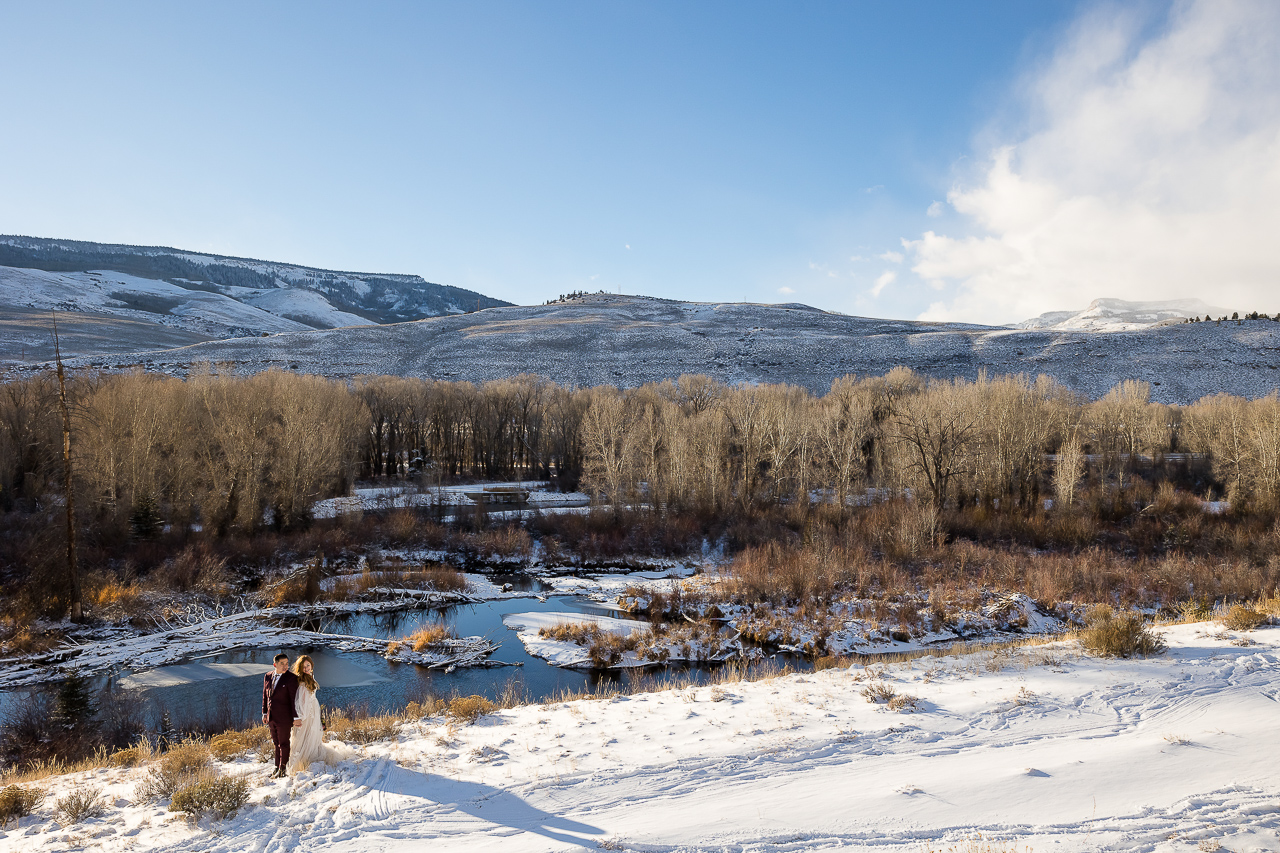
<point x="238" y="699"/>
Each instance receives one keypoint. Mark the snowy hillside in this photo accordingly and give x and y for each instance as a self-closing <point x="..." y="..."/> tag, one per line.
<point x="1038" y="748"/>
<point x="628" y="340"/>
<point x="166" y="297"/>
<point x="1118" y="315"/>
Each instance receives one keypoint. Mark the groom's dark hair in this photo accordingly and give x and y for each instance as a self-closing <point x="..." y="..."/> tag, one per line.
<point x="280" y="657"/>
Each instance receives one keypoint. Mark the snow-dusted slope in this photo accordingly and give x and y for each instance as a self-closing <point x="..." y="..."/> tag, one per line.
<point x="157" y="291"/>
<point x="1119" y="315"/>
<point x="627" y="341"/>
<point x="1039" y="749"/>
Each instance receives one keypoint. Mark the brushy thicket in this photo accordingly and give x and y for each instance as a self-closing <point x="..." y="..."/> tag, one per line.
<point x="1242" y="618"/>
<point x="1119" y="635"/>
<point x="18" y="801"/>
<point x="181" y="765"/>
<point x="220" y="796"/>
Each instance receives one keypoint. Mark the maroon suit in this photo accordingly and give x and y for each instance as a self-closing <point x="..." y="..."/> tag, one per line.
<point x="277" y="707"/>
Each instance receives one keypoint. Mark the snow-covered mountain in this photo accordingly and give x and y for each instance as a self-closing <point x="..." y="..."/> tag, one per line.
<point x="630" y="340"/>
<point x="138" y="297"/>
<point x="1119" y="315"/>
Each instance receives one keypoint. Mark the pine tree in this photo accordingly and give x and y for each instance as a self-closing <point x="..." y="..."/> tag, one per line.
<point x="73" y="723"/>
<point x="168" y="732"/>
<point x="145" y="521"/>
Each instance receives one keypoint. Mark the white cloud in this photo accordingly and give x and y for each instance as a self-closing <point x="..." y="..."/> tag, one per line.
<point x="892" y="257"/>
<point x="785" y="290"/>
<point x="1151" y="171"/>
<point x="935" y="209"/>
<point x="886" y="278"/>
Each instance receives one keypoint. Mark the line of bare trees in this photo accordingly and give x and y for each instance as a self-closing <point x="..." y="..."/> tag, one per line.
<point x="236" y="454"/>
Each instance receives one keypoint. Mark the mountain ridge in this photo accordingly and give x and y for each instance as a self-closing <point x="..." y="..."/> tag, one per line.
<point x="374" y="297"/>
<point x="629" y="340"/>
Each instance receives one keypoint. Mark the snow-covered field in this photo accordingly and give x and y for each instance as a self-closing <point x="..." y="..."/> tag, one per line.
<point x="1038" y="748"/>
<point x="630" y="340"/>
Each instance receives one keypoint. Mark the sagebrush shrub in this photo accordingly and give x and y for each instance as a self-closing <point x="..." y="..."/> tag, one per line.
<point x="221" y="796"/>
<point x="18" y="801"/>
<point x="1120" y="636"/>
<point x="903" y="702"/>
<point x="174" y="769"/>
<point x="879" y="691"/>
<point x="80" y="804"/>
<point x="1241" y="618"/>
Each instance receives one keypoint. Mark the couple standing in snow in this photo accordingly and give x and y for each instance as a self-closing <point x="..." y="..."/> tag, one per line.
<point x="292" y="713"/>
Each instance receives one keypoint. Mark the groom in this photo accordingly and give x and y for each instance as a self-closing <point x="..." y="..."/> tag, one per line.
<point x="279" y="688"/>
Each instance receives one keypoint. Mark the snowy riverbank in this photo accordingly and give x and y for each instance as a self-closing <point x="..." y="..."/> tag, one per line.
<point x="1040" y="746"/>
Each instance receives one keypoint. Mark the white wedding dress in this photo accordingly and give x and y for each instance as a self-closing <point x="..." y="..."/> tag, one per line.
<point x="306" y="742"/>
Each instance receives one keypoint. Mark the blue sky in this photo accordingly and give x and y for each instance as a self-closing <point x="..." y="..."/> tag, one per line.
<point x="710" y="151"/>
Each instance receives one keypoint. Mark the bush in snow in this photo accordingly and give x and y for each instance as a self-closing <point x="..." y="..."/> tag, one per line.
<point x="470" y="708"/>
<point x="1121" y="636"/>
<point x="221" y="796"/>
<point x="1241" y="618"/>
<point x="79" y="805"/>
<point x="17" y="801"/>
<point x="879" y="691"/>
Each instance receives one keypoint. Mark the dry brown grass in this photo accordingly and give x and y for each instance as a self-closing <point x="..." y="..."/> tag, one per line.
<point x="231" y="744"/>
<point x="355" y="728"/>
<point x="604" y="648"/>
<point x="18" y="801"/>
<point x="132" y="756"/>
<point x="570" y="632"/>
<point x="19" y="638"/>
<point x="1124" y="635"/>
<point x="509" y="541"/>
<point x="1242" y="618"/>
<point x="470" y="708"/>
<point x="423" y="638"/>
<point x="176" y="767"/>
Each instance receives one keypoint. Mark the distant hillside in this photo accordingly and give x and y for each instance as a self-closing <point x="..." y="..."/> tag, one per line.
<point x="311" y="297"/>
<point x="1119" y="315"/>
<point x="629" y="340"/>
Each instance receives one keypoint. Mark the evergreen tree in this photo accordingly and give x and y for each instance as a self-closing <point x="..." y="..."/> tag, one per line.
<point x="74" y="721"/>
<point x="168" y="732"/>
<point x="145" y="521"/>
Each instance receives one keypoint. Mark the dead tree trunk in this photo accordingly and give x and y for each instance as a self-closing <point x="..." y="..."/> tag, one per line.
<point x="73" y="569"/>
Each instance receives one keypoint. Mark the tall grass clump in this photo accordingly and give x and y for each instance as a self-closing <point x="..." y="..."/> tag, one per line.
<point x="1241" y="618"/>
<point x="18" y="801"/>
<point x="1110" y="635"/>
<point x="179" y="766"/>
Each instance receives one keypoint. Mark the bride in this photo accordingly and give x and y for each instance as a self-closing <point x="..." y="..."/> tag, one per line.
<point x="306" y="741"/>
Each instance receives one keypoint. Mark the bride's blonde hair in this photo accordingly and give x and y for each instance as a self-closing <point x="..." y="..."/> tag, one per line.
<point x="305" y="679"/>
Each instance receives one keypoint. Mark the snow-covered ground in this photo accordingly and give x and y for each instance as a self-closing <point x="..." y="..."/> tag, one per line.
<point x="1041" y="748"/>
<point x="630" y="340"/>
